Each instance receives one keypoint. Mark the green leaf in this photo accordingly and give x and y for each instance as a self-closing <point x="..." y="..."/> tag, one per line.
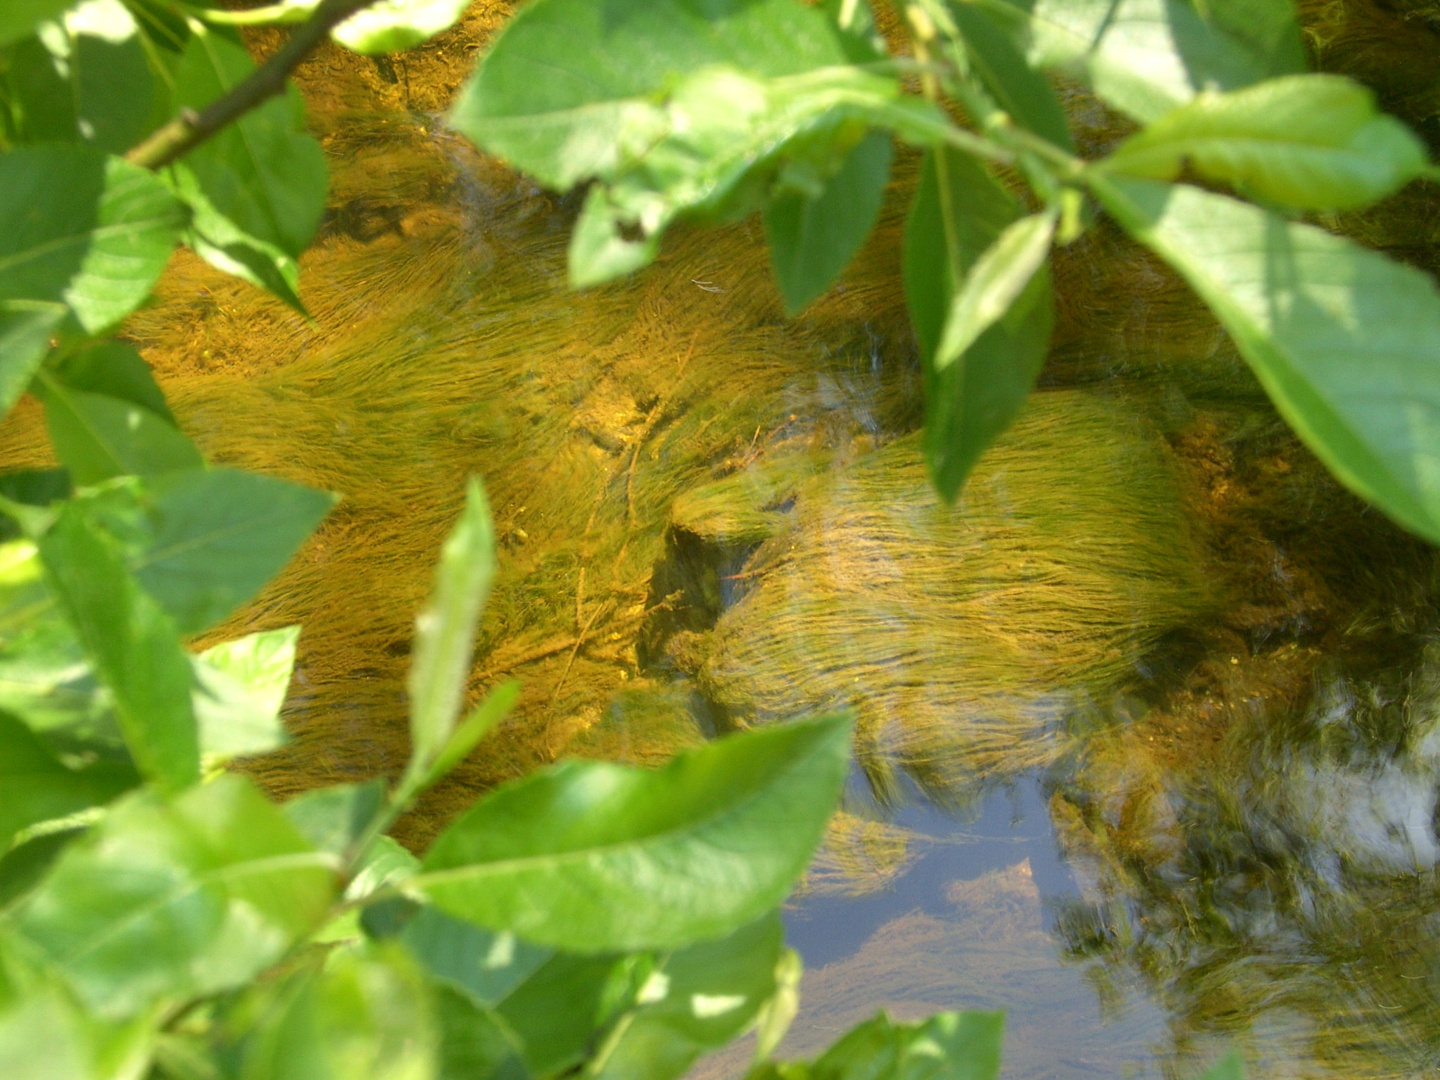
<point x="25" y="329"/>
<point x="969" y="402"/>
<point x="22" y="867"/>
<point x="110" y="84"/>
<point x="485" y="966"/>
<point x="677" y="109"/>
<point x="239" y="688"/>
<point x="217" y="537"/>
<point x="98" y="436"/>
<point x="554" y="91"/>
<point x="481" y="719"/>
<point x="385" y="864"/>
<point x="475" y="1042"/>
<point x="1018" y="88"/>
<point x="1343" y="339"/>
<point x="45" y="678"/>
<point x="78" y="227"/>
<point x="35" y="786"/>
<point x="262" y="173"/>
<point x="1310" y="141"/>
<point x="18" y="17"/>
<point x="813" y="236"/>
<point x="445" y="630"/>
<point x="554" y="1015"/>
<point x="862" y="42"/>
<point x="391" y="25"/>
<point x="132" y="644"/>
<point x="168" y="900"/>
<point x="332" y="818"/>
<point x="162" y="25"/>
<point x="365" y="1013"/>
<point x="994" y="282"/>
<point x="777" y="1014"/>
<point x="592" y="856"/>
<point x="1147" y="56"/>
<point x="45" y="1034"/>
<point x="118" y="371"/>
<point x="947" y="1046"/>
<point x="697" y="999"/>
<point x="229" y="248"/>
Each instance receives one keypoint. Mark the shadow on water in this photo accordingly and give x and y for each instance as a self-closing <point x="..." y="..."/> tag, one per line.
<point x="1147" y="746"/>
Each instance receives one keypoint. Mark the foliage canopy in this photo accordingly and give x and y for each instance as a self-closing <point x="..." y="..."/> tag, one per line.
<point x="160" y="917"/>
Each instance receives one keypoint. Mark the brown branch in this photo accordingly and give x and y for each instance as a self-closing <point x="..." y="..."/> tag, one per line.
<point x="191" y="128"/>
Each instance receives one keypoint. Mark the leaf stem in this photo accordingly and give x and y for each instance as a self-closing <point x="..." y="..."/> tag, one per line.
<point x="191" y="128"/>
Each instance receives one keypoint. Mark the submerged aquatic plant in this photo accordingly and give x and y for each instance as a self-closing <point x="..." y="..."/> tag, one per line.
<point x="963" y="635"/>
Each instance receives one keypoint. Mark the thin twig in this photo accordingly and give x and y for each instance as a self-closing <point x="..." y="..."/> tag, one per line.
<point x="580" y="640"/>
<point x="191" y="128"/>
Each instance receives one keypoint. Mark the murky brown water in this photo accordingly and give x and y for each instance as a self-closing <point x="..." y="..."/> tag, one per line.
<point x="1148" y="747"/>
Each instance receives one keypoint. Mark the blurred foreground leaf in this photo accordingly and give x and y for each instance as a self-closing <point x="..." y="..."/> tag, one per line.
<point x="1343" y="339"/>
<point x="974" y="397"/>
<point x="1312" y="141"/>
<point x="167" y="900"/>
<point x="592" y="856"/>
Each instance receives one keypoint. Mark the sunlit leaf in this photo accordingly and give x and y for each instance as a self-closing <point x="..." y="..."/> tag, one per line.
<point x="1312" y="141"/>
<point x="110" y="87"/>
<point x="972" y="400"/>
<point x="263" y="173"/>
<point x="592" y="856"/>
<point x="133" y="645"/>
<point x="218" y="536"/>
<point x="363" y="1014"/>
<point x="25" y="329"/>
<point x="813" y="236"/>
<point x="677" y="109"/>
<point x="445" y="630"/>
<point x="1018" y="88"/>
<point x="18" y="17"/>
<point x="164" y="901"/>
<point x="35" y="786"/>
<point x="391" y="25"/>
<point x="229" y="248"/>
<point x="239" y="688"/>
<point x="79" y="228"/>
<point x="484" y="965"/>
<point x="948" y="1046"/>
<point x="777" y="1014"/>
<point x="46" y="1034"/>
<point x="45" y="678"/>
<point x="1343" y="339"/>
<point x="476" y="725"/>
<point x="1147" y="56"/>
<point x="696" y="1000"/>
<point x="332" y="818"/>
<point x="993" y="283"/>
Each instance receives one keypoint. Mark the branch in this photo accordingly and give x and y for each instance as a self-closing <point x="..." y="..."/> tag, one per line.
<point x="191" y="128"/>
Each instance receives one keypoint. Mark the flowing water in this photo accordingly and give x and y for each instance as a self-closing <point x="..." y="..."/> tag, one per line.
<point x="1148" y="724"/>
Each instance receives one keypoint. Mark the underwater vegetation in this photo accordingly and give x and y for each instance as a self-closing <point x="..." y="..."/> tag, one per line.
<point x="964" y="635"/>
<point x="712" y="516"/>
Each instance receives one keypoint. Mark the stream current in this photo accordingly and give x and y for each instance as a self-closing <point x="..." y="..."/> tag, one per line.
<point x="1148" y="723"/>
